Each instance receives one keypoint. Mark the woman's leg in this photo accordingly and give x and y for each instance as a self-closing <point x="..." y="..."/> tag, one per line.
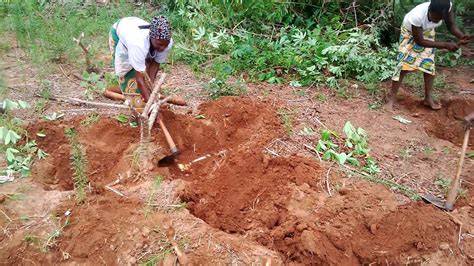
<point x="392" y="96"/>
<point x="428" y="92"/>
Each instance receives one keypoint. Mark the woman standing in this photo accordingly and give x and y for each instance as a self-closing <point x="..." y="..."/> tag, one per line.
<point x="418" y="46"/>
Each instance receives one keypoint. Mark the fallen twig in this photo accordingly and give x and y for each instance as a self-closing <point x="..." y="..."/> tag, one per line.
<point x="456" y="221"/>
<point x="313" y="150"/>
<point x="328" y="187"/>
<point x="115" y="191"/>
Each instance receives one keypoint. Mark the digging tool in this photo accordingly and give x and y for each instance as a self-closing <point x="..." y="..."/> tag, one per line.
<point x="154" y="106"/>
<point x="169" y="159"/>
<point x="453" y="190"/>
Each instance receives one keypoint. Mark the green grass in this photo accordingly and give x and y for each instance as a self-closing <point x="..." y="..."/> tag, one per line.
<point x="416" y="81"/>
<point x="46" y="32"/>
<point x="90" y="119"/>
<point x="151" y="194"/>
<point x="287" y="119"/>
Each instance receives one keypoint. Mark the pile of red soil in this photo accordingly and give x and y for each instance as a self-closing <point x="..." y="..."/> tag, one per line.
<point x="277" y="202"/>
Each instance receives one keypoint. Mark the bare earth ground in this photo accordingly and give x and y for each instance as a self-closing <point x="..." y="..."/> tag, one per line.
<point x="260" y="197"/>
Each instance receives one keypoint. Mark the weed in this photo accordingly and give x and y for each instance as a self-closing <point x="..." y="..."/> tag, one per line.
<point x="78" y="164"/>
<point x="53" y="236"/>
<point x="286" y="118"/>
<point x="446" y="150"/>
<point x="217" y="88"/>
<point x="353" y="149"/>
<point x="321" y="97"/>
<point x="151" y="194"/>
<point x="373" y="89"/>
<point x="53" y="117"/>
<point x="406" y="153"/>
<point x="165" y="250"/>
<point x="428" y="151"/>
<point x="32" y="239"/>
<point x="90" y="119"/>
<point x="136" y="157"/>
<point x="444" y="183"/>
<point x="375" y="105"/>
<point x="92" y="85"/>
<point x="18" y="157"/>
<point x="122" y="119"/>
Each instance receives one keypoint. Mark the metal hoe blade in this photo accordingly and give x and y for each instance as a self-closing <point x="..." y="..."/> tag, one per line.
<point x="431" y="199"/>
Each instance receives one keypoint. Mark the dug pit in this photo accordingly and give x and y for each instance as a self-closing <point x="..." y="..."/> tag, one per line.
<point x="278" y="202"/>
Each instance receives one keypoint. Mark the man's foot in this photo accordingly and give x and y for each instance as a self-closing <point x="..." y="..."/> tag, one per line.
<point x="432" y="104"/>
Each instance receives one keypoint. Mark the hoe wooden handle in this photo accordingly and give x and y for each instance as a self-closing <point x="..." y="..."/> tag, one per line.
<point x="453" y="191"/>
<point x="168" y="137"/>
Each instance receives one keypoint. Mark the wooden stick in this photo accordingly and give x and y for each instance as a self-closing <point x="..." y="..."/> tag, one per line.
<point x="86" y="50"/>
<point x="115" y="191"/>
<point x="77" y="101"/>
<point x="154" y="112"/>
<point x="155" y="91"/>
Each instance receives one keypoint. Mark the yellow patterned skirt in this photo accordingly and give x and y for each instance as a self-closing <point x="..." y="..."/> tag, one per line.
<point x="412" y="56"/>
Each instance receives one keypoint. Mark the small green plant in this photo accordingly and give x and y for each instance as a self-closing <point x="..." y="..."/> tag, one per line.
<point x="444" y="184"/>
<point x="200" y="116"/>
<point x="151" y="195"/>
<point x="32" y="239"/>
<point x="286" y="117"/>
<point x="406" y="153"/>
<point x="18" y="157"/>
<point x="428" y="151"/>
<point x="352" y="149"/>
<point x="53" y="117"/>
<point x="45" y="93"/>
<point x="446" y="150"/>
<point x="122" y="119"/>
<point x="92" y="85"/>
<point x="321" y="97"/>
<point x="217" y="88"/>
<point x="53" y="236"/>
<point x="90" y="119"/>
<point x="78" y="162"/>
<point x="375" y="105"/>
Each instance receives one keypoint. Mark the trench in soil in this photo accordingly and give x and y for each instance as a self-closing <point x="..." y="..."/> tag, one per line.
<point x="239" y="189"/>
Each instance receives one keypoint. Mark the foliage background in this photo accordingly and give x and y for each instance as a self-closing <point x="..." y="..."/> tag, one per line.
<point x="299" y="42"/>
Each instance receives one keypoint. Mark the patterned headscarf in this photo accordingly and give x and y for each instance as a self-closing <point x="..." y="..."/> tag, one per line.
<point x="160" y="28"/>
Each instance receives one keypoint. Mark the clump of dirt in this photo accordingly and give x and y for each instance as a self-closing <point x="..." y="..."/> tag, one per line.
<point x="445" y="123"/>
<point x="254" y="189"/>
